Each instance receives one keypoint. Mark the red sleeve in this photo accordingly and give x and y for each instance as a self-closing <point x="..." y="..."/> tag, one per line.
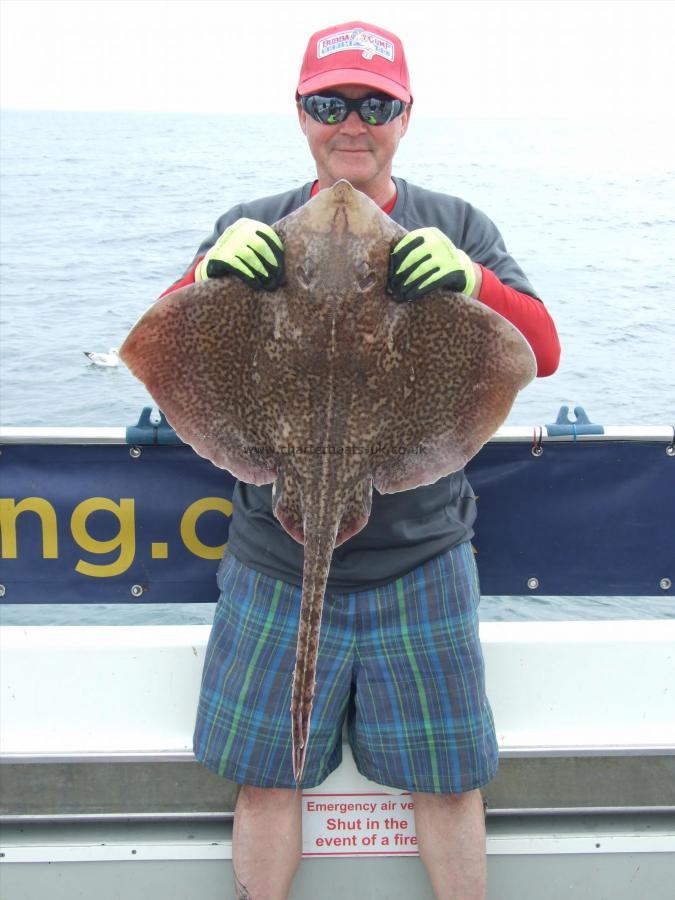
<point x="188" y="278"/>
<point x="530" y="317"/>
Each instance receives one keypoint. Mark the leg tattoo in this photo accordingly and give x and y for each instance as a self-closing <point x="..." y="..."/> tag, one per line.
<point x="241" y="889"/>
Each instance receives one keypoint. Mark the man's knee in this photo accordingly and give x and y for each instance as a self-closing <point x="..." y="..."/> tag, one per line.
<point x="450" y="802"/>
<point x="265" y="797"/>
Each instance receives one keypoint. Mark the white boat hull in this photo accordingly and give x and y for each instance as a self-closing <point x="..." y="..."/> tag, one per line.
<point x="102" y="797"/>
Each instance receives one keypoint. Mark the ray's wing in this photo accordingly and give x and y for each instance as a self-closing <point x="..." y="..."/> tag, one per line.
<point x="466" y="364"/>
<point x="194" y="350"/>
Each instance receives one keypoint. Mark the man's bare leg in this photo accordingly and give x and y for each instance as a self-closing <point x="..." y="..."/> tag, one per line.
<point x="267" y="842"/>
<point x="451" y="840"/>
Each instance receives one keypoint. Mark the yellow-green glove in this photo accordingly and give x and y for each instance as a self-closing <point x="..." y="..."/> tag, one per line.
<point x="425" y="259"/>
<point x="248" y="249"/>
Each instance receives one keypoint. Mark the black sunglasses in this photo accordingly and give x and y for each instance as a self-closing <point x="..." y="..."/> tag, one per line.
<point x="331" y="109"/>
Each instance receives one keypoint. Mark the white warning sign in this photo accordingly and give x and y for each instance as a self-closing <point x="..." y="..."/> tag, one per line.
<point x="356" y="824"/>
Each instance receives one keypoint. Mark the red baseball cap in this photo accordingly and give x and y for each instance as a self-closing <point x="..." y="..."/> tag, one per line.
<point x="355" y="53"/>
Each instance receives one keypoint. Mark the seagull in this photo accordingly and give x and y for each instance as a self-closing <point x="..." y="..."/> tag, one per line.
<point x="104" y="359"/>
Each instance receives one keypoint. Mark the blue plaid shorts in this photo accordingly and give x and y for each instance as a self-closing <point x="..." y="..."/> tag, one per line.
<point x="402" y="663"/>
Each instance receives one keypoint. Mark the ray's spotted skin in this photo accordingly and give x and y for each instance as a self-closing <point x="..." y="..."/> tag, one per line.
<point x="327" y="388"/>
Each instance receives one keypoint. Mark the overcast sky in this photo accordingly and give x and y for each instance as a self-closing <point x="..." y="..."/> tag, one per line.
<point x="563" y="59"/>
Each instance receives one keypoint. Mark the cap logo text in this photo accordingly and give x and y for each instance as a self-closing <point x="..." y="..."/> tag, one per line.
<point x="357" y="39"/>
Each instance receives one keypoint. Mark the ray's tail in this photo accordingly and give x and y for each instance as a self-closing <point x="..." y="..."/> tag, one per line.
<point x="320" y="529"/>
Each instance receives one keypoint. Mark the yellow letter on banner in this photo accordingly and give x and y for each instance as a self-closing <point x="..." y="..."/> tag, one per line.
<point x="10" y="510"/>
<point x="125" y="538"/>
<point x="188" y="526"/>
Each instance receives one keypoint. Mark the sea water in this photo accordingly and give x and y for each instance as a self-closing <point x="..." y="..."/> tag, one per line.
<point x="100" y="212"/>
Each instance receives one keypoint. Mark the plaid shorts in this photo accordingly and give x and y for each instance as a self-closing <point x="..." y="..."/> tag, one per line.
<point x="402" y="663"/>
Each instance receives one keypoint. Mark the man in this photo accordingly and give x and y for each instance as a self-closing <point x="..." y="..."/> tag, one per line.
<point x="400" y="658"/>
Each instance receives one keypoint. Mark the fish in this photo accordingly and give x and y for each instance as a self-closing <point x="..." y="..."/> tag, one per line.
<point x="328" y="389"/>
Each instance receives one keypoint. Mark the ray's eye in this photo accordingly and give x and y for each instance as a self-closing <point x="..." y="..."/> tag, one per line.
<point x="305" y="275"/>
<point x="366" y="277"/>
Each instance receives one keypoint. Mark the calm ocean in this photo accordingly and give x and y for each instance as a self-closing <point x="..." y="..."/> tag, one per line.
<point x="101" y="211"/>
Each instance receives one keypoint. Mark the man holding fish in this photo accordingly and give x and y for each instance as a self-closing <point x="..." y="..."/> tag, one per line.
<point x="400" y="659"/>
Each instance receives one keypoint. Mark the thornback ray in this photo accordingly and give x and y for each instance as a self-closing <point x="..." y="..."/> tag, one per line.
<point x="327" y="388"/>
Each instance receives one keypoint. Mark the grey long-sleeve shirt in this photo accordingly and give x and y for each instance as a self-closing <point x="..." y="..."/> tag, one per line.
<point x="404" y="529"/>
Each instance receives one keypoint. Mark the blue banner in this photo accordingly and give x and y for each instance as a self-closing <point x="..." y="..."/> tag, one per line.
<point x="96" y="524"/>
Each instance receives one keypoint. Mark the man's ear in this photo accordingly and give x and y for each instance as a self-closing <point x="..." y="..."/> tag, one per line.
<point x="406" y="118"/>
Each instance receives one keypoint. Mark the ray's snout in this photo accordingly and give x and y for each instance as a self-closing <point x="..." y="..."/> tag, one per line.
<point x="341" y="208"/>
<point x="343" y="192"/>
<point x="343" y="195"/>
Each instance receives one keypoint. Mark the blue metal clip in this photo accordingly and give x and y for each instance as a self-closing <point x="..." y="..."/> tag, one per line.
<point x="147" y="431"/>
<point x="581" y="425"/>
